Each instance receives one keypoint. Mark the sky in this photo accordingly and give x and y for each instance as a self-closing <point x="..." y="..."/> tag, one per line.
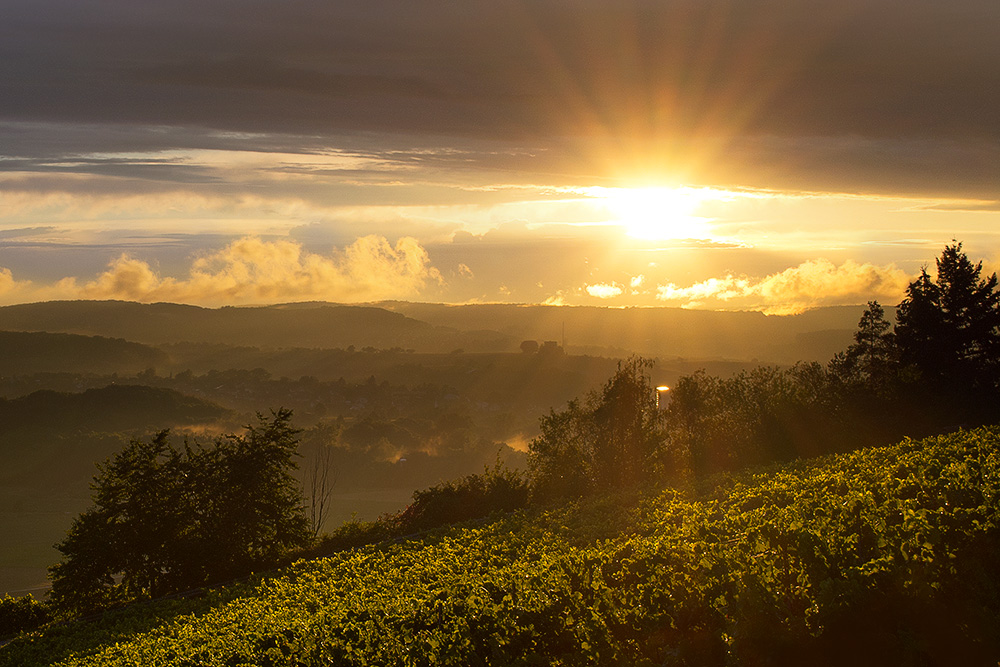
<point x="772" y="155"/>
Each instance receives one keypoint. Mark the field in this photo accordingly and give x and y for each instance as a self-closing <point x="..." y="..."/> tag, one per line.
<point x="882" y="556"/>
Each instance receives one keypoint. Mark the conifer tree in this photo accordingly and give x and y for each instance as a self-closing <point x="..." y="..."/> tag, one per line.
<point x="949" y="329"/>
<point x="870" y="364"/>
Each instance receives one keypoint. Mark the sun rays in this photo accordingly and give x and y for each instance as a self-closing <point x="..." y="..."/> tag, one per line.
<point x="658" y="213"/>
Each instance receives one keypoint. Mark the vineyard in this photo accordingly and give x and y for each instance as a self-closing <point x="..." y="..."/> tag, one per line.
<point x="881" y="556"/>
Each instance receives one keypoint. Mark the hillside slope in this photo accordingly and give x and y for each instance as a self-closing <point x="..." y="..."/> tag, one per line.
<point x="660" y="332"/>
<point x="39" y="352"/>
<point x="815" y="335"/>
<point x="109" y="409"/>
<point x="298" y="325"/>
<point x="884" y="556"/>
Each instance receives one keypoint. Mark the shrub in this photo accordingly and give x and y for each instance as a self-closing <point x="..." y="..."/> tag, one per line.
<point x="21" y="615"/>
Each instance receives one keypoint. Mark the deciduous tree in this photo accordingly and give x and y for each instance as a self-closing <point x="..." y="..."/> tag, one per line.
<point x="167" y="519"/>
<point x="607" y="442"/>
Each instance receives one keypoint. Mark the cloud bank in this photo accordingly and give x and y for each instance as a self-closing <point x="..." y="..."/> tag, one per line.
<point x="811" y="284"/>
<point x="252" y="270"/>
<point x="9" y="286"/>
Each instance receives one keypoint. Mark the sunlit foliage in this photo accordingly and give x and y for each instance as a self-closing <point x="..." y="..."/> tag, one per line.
<point x="607" y="442"/>
<point x="882" y="556"/>
<point x="21" y="614"/>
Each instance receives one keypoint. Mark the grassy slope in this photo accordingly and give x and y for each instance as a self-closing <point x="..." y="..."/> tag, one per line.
<point x="885" y="556"/>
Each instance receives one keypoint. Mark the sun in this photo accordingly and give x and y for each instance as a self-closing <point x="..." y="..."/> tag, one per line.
<point x="657" y="213"/>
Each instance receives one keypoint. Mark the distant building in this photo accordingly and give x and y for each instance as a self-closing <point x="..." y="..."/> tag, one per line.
<point x="551" y="348"/>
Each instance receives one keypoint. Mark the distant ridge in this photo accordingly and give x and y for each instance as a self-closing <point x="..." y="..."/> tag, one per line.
<point x="815" y="335"/>
<point x="27" y="352"/>
<point x="109" y="409"/>
<point x="315" y="325"/>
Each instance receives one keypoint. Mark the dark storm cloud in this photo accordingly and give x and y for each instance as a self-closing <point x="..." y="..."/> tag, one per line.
<point x="882" y="95"/>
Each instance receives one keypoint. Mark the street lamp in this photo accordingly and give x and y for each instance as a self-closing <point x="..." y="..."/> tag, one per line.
<point x="660" y="391"/>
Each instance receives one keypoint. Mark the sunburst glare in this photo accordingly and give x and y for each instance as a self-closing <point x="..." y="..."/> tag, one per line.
<point x="658" y="213"/>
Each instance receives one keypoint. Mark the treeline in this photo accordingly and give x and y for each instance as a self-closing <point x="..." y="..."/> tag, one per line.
<point x="936" y="370"/>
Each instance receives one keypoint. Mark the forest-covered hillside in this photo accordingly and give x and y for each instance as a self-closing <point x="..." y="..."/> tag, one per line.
<point x="880" y="556"/>
<point x="440" y="328"/>
<point x="298" y="325"/>
<point x="41" y="352"/>
<point x="110" y="408"/>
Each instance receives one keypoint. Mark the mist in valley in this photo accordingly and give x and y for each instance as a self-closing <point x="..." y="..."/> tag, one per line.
<point x="393" y="397"/>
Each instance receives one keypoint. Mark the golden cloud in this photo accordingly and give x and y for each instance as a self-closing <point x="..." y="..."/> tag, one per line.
<point x="7" y="283"/>
<point x="604" y="290"/>
<point x="811" y="284"/>
<point x="251" y="270"/>
<point x="721" y="289"/>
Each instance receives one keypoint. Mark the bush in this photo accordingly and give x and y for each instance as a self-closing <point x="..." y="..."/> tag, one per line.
<point x="498" y="489"/>
<point x="354" y="534"/>
<point x="22" y="614"/>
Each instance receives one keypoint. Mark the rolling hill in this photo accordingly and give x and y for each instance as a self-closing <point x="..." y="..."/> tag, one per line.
<point x="40" y="352"/>
<point x="880" y="556"/>
<point x="815" y="335"/>
<point x="436" y="328"/>
<point x="310" y="325"/>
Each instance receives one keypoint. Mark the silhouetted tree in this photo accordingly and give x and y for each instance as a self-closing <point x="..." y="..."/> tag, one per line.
<point x="948" y="330"/>
<point x="126" y="545"/>
<point x="870" y="366"/>
<point x="608" y="442"/>
<point x="250" y="504"/>
<point x="626" y="426"/>
<point x="165" y="520"/>
<point x="560" y="457"/>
